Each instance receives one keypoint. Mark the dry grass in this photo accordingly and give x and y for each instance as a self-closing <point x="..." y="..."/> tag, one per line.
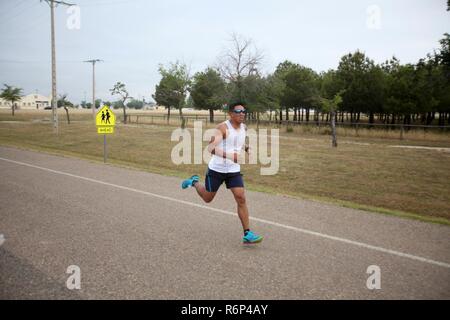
<point x="361" y="172"/>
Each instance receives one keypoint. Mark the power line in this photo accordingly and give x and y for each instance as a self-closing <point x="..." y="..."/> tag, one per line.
<point x="36" y="61"/>
<point x="108" y="3"/>
<point x="24" y="28"/>
<point x="18" y="4"/>
<point x="11" y="16"/>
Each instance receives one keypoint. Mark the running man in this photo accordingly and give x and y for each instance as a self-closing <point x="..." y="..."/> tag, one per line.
<point x="226" y="147"/>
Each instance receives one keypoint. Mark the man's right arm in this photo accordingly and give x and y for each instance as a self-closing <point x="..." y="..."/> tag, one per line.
<point x="214" y="148"/>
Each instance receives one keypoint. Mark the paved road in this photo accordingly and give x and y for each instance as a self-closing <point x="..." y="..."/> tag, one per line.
<point x="137" y="235"/>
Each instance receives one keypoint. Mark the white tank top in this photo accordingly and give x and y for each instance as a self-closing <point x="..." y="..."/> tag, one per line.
<point x="233" y="143"/>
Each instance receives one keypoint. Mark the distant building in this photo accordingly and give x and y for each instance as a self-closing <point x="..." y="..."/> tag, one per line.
<point x="149" y="106"/>
<point x="31" y="101"/>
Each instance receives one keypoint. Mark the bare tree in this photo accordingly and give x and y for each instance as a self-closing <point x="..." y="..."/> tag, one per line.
<point x="240" y="60"/>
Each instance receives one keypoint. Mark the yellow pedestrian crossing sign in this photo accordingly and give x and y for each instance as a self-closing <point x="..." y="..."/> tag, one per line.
<point x="105" y="120"/>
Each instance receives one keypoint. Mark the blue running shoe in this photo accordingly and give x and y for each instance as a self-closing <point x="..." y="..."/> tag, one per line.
<point x="251" y="237"/>
<point x="189" y="182"/>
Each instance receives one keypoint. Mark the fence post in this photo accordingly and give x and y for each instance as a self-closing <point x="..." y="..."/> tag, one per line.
<point x="401" y="132"/>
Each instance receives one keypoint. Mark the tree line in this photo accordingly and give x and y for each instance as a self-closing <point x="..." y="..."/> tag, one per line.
<point x="390" y="92"/>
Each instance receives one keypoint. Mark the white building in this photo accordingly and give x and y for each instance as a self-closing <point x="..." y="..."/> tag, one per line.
<point x="31" y="101"/>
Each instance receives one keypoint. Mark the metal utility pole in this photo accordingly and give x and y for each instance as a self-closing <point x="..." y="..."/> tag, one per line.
<point x="93" y="61"/>
<point x="51" y="3"/>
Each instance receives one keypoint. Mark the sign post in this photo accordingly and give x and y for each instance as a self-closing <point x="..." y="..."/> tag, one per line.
<point x="105" y="121"/>
<point x="105" y="155"/>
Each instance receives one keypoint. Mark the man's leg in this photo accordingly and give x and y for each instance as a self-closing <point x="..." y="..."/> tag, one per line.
<point x="207" y="194"/>
<point x="203" y="193"/>
<point x="239" y="196"/>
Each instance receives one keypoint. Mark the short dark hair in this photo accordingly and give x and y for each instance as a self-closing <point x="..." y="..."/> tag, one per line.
<point x="233" y="105"/>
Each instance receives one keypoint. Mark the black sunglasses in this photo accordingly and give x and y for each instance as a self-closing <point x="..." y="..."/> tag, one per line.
<point x="240" y="111"/>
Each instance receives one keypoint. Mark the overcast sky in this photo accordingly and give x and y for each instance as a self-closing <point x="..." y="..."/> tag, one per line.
<point x="134" y="36"/>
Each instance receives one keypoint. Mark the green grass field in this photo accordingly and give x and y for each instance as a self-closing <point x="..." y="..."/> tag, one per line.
<point x="364" y="172"/>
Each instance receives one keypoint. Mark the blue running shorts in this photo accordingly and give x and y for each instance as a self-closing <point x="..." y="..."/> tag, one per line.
<point x="214" y="180"/>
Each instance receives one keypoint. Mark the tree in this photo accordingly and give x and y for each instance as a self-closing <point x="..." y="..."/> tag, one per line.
<point x="135" y="104"/>
<point x="63" y="102"/>
<point x="263" y="94"/>
<point x="164" y="95"/>
<point x="173" y="87"/>
<point x="11" y="94"/>
<point x="331" y="105"/>
<point x="119" y="89"/>
<point x="281" y="71"/>
<point x="255" y="94"/>
<point x="376" y="86"/>
<point x="239" y="61"/>
<point x="440" y="78"/>
<point x="208" y="91"/>
<point x="329" y="87"/>
<point x="363" y="84"/>
<point x="117" y="104"/>
<point x="301" y="88"/>
<point x="443" y="54"/>
<point x="411" y="89"/>
<point x="274" y="89"/>
<point x="98" y="103"/>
